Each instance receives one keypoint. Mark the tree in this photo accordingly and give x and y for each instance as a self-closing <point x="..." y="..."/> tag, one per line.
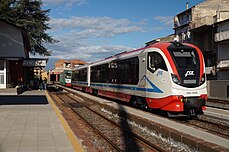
<point x="28" y="15"/>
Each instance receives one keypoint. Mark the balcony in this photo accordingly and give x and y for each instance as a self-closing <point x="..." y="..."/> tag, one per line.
<point x="198" y="22"/>
<point x="181" y="20"/>
<point x="224" y="64"/>
<point x="221" y="36"/>
<point x="221" y="15"/>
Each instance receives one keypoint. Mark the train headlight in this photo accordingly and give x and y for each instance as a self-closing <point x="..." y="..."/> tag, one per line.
<point x="202" y="79"/>
<point x="175" y="79"/>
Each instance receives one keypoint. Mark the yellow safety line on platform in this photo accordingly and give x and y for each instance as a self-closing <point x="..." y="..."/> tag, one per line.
<point x="75" y="142"/>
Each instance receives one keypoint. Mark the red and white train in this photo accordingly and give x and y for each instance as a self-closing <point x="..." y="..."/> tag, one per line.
<point x="167" y="76"/>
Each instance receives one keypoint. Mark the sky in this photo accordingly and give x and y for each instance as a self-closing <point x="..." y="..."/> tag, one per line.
<point x="91" y="30"/>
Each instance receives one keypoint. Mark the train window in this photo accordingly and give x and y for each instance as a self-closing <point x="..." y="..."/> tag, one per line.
<point x="121" y="71"/>
<point x="68" y="75"/>
<point x="156" y="61"/>
<point x="79" y="75"/>
<point x="100" y="73"/>
<point x="75" y="75"/>
<point x="95" y="74"/>
<point x="113" y="72"/>
<point x="128" y="71"/>
<point x="104" y="73"/>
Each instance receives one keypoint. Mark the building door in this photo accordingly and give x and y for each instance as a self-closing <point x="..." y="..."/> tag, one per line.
<point x="2" y="74"/>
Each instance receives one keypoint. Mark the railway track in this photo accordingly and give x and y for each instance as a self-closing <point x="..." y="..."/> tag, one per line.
<point x="117" y="134"/>
<point x="211" y="124"/>
<point x="218" y="103"/>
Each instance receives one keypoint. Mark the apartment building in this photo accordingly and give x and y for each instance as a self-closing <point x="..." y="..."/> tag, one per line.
<point x="202" y="25"/>
<point x="207" y="26"/>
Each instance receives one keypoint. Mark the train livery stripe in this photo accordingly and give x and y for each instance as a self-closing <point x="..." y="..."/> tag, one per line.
<point x="157" y="90"/>
<point x="153" y="88"/>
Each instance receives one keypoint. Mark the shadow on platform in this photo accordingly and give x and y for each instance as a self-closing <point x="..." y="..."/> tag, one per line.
<point x="28" y="99"/>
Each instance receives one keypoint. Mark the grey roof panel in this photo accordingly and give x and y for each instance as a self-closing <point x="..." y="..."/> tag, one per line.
<point x="11" y="42"/>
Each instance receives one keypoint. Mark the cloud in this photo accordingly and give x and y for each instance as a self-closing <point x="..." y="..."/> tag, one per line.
<point x="88" y="53"/>
<point x="88" y="38"/>
<point x="166" y="20"/>
<point x="96" y="26"/>
<point x="65" y="3"/>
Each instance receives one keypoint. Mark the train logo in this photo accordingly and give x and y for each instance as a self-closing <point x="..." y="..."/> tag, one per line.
<point x="189" y="73"/>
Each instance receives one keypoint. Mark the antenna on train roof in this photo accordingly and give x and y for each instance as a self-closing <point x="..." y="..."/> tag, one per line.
<point x="108" y="57"/>
<point x="177" y="44"/>
<point x="186" y="5"/>
<point x="120" y="53"/>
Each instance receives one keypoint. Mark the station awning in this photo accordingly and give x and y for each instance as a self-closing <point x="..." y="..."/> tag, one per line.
<point x="11" y="41"/>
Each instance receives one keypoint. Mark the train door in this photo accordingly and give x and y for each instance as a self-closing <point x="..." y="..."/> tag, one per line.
<point x="142" y="73"/>
<point x="158" y="75"/>
<point x="2" y="74"/>
<point x="113" y="72"/>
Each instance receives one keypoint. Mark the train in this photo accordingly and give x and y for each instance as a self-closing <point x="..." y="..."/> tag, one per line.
<point x="66" y="78"/>
<point x="166" y="76"/>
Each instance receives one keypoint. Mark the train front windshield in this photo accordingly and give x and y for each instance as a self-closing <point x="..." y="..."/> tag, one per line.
<point x="186" y="59"/>
<point x="68" y="75"/>
<point x="187" y="63"/>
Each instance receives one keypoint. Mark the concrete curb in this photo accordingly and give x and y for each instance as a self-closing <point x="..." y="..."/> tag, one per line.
<point x="73" y="139"/>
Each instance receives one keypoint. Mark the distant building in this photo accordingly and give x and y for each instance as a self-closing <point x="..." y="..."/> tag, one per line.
<point x="61" y="65"/>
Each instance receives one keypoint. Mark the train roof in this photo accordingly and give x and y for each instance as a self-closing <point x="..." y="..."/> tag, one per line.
<point x="127" y="54"/>
<point x="132" y="53"/>
<point x="82" y="66"/>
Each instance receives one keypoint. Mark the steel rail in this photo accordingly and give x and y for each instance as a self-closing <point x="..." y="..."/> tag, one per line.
<point x="90" y="125"/>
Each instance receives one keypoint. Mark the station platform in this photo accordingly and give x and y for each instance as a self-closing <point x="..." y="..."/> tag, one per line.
<point x="30" y="123"/>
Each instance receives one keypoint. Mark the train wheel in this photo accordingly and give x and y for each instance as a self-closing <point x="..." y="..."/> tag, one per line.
<point x="191" y="113"/>
<point x="140" y="103"/>
<point x="145" y="105"/>
<point x="95" y="92"/>
<point x="133" y="102"/>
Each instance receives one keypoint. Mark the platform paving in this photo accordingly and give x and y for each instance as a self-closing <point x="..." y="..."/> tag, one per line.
<point x="28" y="126"/>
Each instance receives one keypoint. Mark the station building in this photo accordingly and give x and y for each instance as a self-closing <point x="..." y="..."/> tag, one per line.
<point x="16" y="67"/>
